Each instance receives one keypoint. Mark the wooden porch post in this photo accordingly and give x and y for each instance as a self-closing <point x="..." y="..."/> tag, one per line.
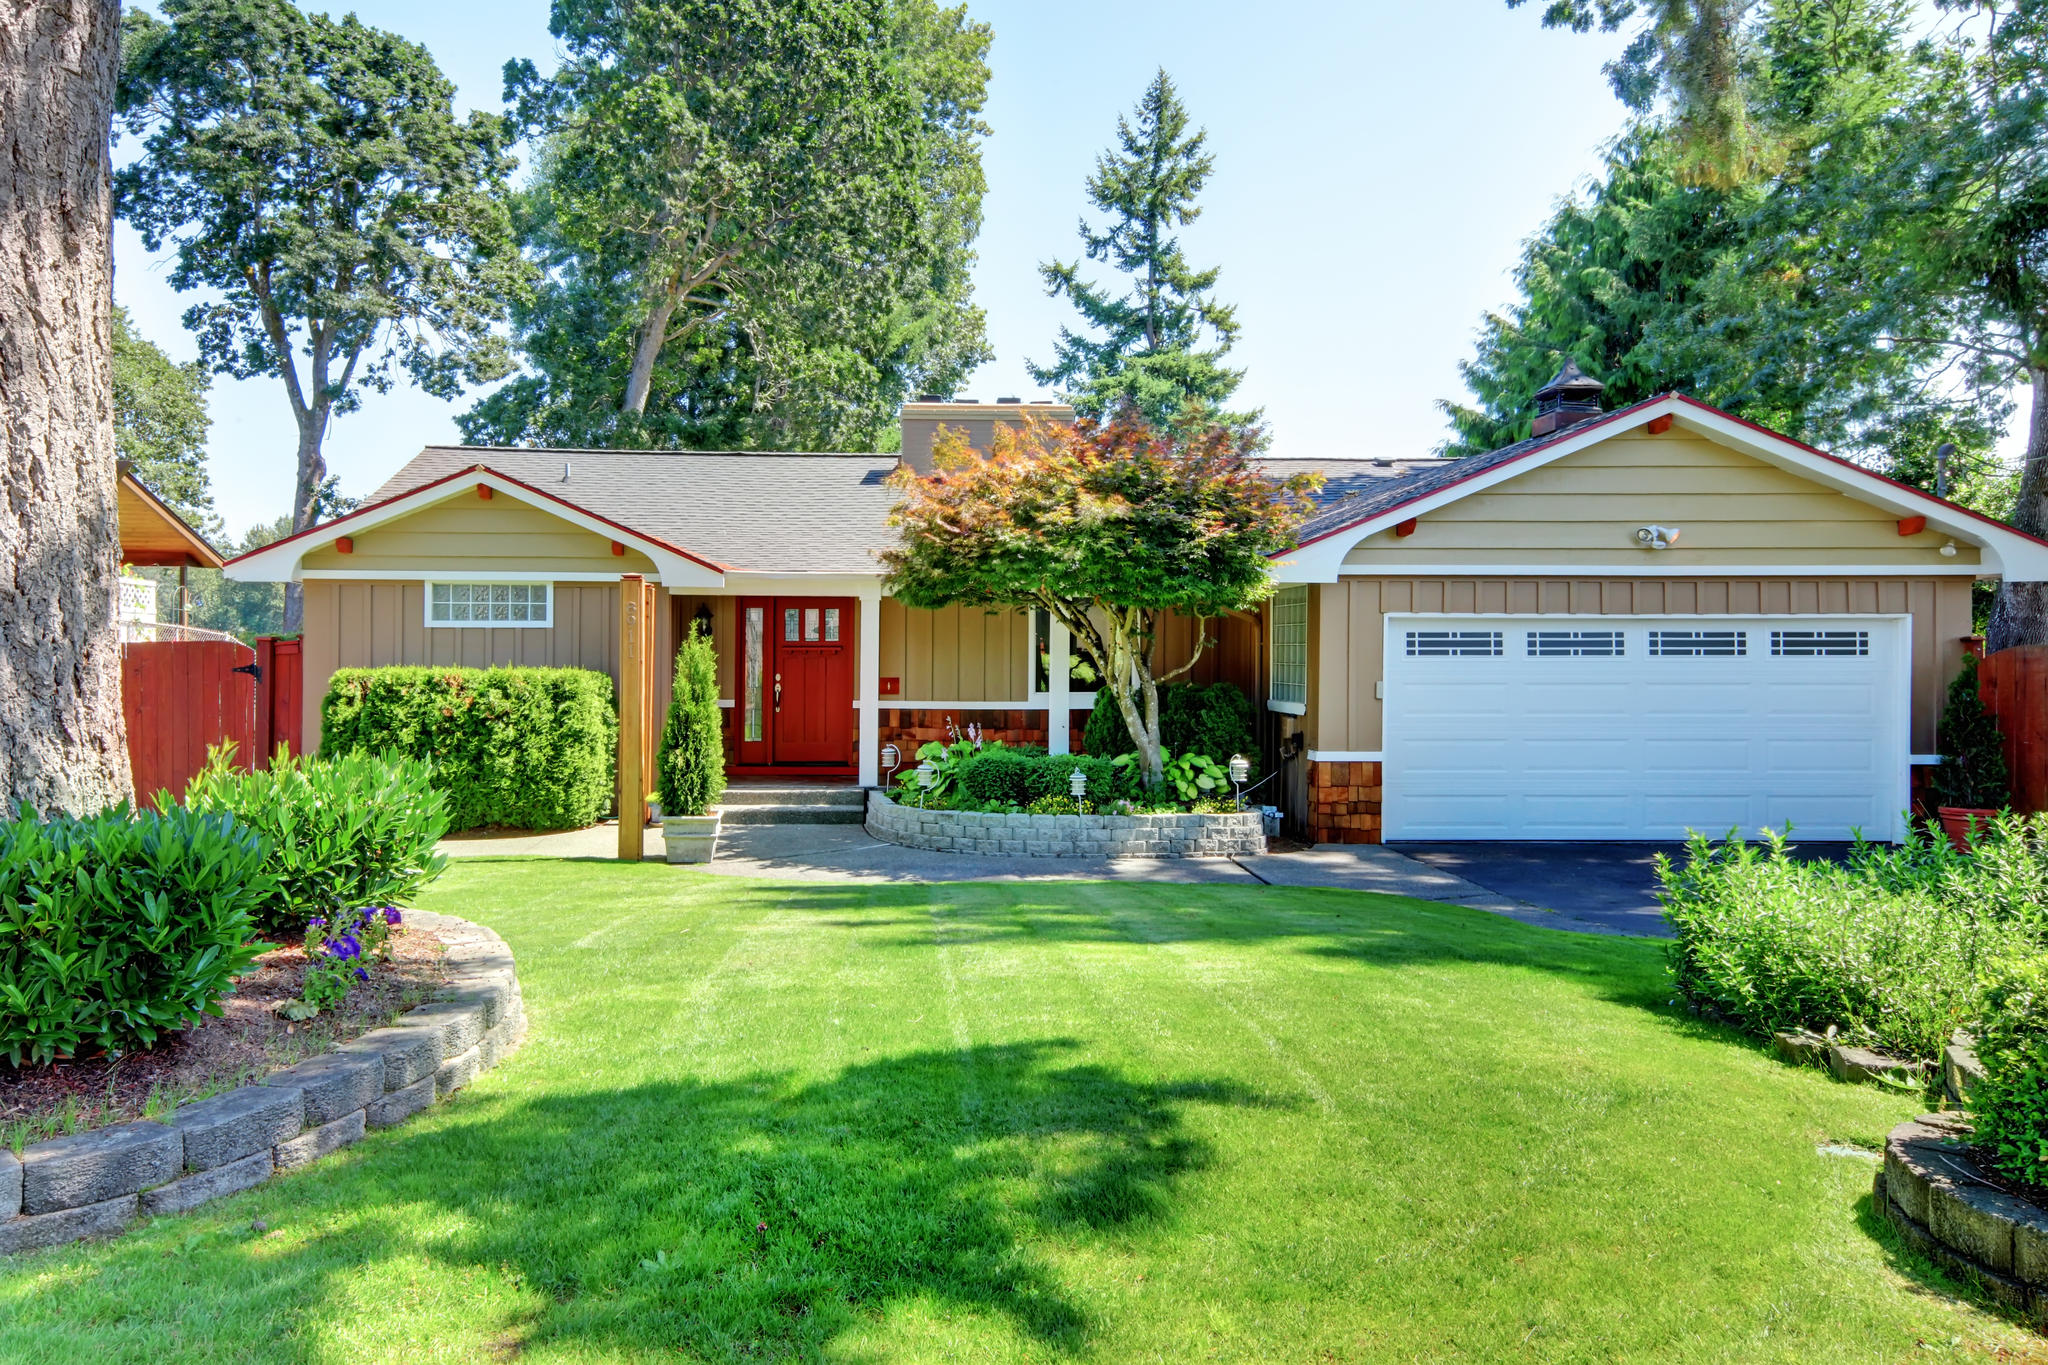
<point x="632" y="795"/>
<point x="1058" y="683"/>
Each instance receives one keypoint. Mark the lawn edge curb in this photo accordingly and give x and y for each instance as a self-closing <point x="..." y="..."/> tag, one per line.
<point x="1226" y="834"/>
<point x="96" y="1183"/>
<point x="1930" y="1189"/>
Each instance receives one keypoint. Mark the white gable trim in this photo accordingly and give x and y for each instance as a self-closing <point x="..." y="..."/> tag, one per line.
<point x="2006" y="553"/>
<point x="282" y="562"/>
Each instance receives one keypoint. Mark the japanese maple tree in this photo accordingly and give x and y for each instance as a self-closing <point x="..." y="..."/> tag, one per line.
<point x="1108" y="527"/>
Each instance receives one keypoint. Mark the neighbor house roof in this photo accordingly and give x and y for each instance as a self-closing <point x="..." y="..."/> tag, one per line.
<point x="152" y="534"/>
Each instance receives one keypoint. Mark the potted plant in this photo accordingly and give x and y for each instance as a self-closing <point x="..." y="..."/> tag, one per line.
<point x="1971" y="783"/>
<point x="691" y="765"/>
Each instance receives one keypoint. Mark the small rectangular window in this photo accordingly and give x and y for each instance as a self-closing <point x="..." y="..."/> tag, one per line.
<point x="1809" y="643"/>
<point x="810" y="625"/>
<point x="1699" y="644"/>
<point x="1440" y="644"/>
<point x="1290" y="647"/>
<point x="755" y="643"/>
<point x="789" y="620"/>
<point x="832" y="623"/>
<point x="488" y="604"/>
<point x="1561" y="644"/>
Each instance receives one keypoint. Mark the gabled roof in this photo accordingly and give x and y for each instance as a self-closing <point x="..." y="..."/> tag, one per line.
<point x="152" y="534"/>
<point x="1425" y="485"/>
<point x="718" y="512"/>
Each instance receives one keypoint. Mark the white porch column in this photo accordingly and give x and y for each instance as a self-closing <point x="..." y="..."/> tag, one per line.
<point x="870" y="687"/>
<point x="1060" y="676"/>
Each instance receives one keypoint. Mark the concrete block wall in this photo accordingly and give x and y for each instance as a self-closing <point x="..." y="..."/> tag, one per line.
<point x="95" y="1183"/>
<point x="1232" y="834"/>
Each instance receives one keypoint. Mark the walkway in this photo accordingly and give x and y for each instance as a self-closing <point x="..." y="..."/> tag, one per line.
<point x="847" y="853"/>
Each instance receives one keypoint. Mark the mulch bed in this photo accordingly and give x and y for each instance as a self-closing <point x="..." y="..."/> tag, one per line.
<point x="246" y="1042"/>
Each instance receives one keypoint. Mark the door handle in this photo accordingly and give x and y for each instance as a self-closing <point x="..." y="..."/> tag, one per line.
<point x="778" y="694"/>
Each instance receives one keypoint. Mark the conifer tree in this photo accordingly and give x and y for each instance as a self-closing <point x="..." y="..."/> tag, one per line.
<point x="1144" y="346"/>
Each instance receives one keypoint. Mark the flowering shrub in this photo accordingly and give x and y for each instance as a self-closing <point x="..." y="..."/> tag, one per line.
<point x="338" y="954"/>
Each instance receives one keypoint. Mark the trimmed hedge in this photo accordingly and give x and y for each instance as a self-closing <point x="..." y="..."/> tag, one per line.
<point x="526" y="748"/>
<point x="1024" y="777"/>
<point x="2009" y="1106"/>
<point x="118" y="929"/>
<point x="1213" y="719"/>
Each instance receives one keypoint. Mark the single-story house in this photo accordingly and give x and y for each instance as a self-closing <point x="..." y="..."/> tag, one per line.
<point x="1632" y="624"/>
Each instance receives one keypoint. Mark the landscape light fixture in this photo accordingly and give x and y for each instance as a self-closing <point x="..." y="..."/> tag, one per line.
<point x="1240" y="773"/>
<point x="1077" y="785"/>
<point x="926" y="775"/>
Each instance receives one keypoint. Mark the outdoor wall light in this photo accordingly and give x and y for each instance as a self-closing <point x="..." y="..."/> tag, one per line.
<point x="1656" y="537"/>
<point x="1949" y="550"/>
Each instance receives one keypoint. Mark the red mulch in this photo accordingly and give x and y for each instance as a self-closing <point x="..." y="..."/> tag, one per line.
<point x="248" y="1040"/>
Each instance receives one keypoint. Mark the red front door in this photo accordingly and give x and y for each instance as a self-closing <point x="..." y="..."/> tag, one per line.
<point x="807" y="668"/>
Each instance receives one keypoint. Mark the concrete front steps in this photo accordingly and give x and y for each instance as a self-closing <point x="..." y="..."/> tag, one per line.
<point x="793" y="803"/>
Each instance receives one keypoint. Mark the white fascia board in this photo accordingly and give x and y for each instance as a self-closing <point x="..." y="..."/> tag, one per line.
<point x="460" y="576"/>
<point x="2007" y="553"/>
<point x="759" y="582"/>
<point x="1654" y="566"/>
<point x="281" y="563"/>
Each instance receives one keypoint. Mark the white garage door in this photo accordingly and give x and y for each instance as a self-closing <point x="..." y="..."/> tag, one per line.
<point x="1522" y="727"/>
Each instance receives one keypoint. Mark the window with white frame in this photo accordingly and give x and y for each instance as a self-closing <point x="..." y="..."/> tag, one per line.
<point x="1081" y="674"/>
<point x="488" y="604"/>
<point x="1288" y="687"/>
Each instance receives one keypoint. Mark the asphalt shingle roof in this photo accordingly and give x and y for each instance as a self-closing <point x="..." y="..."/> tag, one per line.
<point x="762" y="512"/>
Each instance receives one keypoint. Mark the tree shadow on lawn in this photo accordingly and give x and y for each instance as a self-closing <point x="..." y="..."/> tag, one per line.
<point x="761" y="1216"/>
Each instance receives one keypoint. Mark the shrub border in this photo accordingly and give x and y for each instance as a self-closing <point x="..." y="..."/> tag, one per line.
<point x="96" y="1183"/>
<point x="1934" y="1194"/>
<point x="1227" y="835"/>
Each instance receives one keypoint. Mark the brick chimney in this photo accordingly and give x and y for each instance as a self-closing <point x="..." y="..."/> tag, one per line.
<point x="977" y="420"/>
<point x="1567" y="400"/>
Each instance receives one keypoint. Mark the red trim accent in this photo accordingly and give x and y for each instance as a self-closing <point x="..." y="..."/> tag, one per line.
<point x="1912" y="526"/>
<point x="471" y="472"/>
<point x="484" y="491"/>
<point x="345" y="545"/>
<point x="1623" y="414"/>
<point x="617" y="548"/>
<point x="1657" y="426"/>
<point x="845" y="770"/>
<point x="889" y="687"/>
<point x="1406" y="528"/>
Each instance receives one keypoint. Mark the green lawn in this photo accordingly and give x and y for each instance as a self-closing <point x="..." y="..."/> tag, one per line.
<point x="1044" y="1122"/>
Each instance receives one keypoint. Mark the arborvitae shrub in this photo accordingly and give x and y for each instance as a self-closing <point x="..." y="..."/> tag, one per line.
<point x="691" y="764"/>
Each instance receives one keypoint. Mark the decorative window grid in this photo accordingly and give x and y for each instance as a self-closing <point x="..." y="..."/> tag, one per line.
<point x="1699" y="644"/>
<point x="1809" y="643"/>
<point x="1289" y="683"/>
<point x="1439" y="644"/>
<point x="1562" y="644"/>
<point x="489" y="605"/>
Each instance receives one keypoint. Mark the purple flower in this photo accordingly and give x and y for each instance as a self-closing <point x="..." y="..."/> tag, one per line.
<point x="362" y="975"/>
<point x="391" y="915"/>
<point x="316" y="920"/>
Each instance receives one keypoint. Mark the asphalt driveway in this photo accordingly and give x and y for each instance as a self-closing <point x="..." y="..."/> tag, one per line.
<point x="1610" y="884"/>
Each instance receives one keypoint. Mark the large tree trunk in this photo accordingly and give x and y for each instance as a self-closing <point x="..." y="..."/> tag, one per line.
<point x="306" y="504"/>
<point x="62" y="743"/>
<point x="2020" y="616"/>
<point x="647" y="350"/>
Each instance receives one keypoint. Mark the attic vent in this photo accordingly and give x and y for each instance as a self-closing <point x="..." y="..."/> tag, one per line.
<point x="1560" y="644"/>
<point x="1438" y="644"/>
<point x="873" y="477"/>
<point x="1697" y="644"/>
<point x="1807" y="643"/>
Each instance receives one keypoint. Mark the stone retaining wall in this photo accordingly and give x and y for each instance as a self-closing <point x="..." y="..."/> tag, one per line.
<point x="1067" y="836"/>
<point x="1934" y="1194"/>
<point x="95" y="1183"/>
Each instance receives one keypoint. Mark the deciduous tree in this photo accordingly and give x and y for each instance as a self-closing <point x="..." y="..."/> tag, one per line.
<point x="1144" y="345"/>
<point x="314" y="179"/>
<point x="61" y="739"/>
<point x="160" y="423"/>
<point x="1106" y="526"/>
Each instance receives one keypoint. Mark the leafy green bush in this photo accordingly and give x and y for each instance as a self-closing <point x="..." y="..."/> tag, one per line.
<point x="1972" y="773"/>
<point x="1008" y="775"/>
<point x="2009" y="1106"/>
<point x="1769" y="942"/>
<point x="118" y="929"/>
<point x="527" y="748"/>
<point x="690" y="768"/>
<point x="341" y="833"/>
<point x="1213" y="719"/>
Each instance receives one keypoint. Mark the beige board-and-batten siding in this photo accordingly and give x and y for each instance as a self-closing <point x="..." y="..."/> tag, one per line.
<point x="1347" y="628"/>
<point x="357" y="624"/>
<point x="1583" y="510"/>
<point x="955" y="654"/>
<point x="468" y="534"/>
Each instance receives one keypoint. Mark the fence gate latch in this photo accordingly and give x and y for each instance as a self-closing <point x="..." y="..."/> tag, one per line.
<point x="253" y="670"/>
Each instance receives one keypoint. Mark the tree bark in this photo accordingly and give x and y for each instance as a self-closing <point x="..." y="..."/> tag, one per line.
<point x="312" y="467"/>
<point x="646" y="350"/>
<point x="2020" y="616"/>
<point x="62" y="741"/>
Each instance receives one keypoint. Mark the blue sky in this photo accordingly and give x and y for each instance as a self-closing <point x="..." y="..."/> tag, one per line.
<point x="1378" y="165"/>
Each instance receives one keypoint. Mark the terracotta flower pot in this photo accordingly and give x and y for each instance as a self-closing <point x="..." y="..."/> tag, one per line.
<point x="1961" y="824"/>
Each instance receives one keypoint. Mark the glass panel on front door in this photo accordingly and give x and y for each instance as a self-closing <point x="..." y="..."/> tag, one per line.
<point x="832" y="623"/>
<point x="789" y="618"/>
<point x="755" y="642"/>
<point x="810" y="625"/>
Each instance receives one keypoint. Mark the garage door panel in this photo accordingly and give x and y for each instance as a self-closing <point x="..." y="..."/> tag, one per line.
<point x="1646" y="745"/>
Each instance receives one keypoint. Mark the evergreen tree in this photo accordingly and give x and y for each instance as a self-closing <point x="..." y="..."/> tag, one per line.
<point x="690" y="767"/>
<point x="1972" y="773"/>
<point x="1145" y="345"/>
<point x="160" y="423"/>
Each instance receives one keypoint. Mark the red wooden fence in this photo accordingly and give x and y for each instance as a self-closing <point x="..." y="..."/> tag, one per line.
<point x="280" y="713"/>
<point x="179" y="697"/>
<point x="2014" y="684"/>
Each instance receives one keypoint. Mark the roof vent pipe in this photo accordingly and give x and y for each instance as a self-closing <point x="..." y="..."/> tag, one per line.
<point x="565" y="471"/>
